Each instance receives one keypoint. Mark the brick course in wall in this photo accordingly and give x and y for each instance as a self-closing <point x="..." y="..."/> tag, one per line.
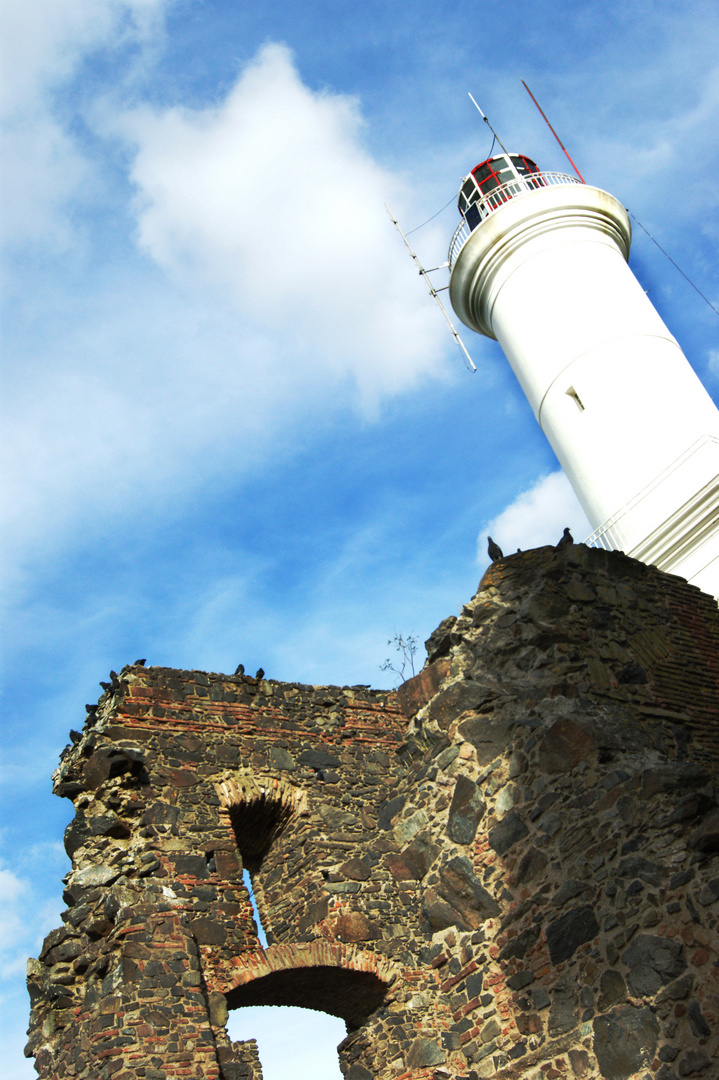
<point x="508" y="868"/>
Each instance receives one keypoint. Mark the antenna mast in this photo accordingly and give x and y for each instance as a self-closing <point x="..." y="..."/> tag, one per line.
<point x="552" y="131"/>
<point x="425" y="274"/>
<point x="509" y="159"/>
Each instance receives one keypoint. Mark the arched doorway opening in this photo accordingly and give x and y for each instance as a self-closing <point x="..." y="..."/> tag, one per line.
<point x="280" y="986"/>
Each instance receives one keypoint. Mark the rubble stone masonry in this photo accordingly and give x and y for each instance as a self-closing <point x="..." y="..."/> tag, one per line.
<point x="507" y="868"/>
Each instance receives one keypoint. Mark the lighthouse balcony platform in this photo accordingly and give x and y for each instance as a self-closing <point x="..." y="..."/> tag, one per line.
<point x="515" y="188"/>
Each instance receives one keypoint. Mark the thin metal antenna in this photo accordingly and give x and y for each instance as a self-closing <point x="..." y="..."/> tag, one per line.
<point x="424" y="273"/>
<point x="509" y="159"/>
<point x="553" y="131"/>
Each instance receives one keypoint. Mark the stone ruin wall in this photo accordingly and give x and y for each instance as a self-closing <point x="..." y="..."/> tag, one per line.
<point x="508" y="868"/>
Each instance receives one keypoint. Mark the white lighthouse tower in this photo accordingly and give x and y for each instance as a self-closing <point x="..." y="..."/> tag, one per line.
<point x="539" y="262"/>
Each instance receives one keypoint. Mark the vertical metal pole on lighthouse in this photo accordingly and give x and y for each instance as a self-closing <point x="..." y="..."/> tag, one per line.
<point x="511" y="164"/>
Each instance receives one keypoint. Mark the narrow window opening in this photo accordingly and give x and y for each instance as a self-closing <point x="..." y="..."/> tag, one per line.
<point x="572" y="393"/>
<point x="247" y="882"/>
<point x="257" y="823"/>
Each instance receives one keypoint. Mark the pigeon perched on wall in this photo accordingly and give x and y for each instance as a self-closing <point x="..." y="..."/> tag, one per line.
<point x="494" y="550"/>
<point x="140" y="663"/>
<point x="260" y="674"/>
<point x="240" y="669"/>
<point x="567" y="538"/>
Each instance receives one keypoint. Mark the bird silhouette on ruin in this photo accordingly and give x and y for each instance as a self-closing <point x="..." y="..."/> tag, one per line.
<point x="494" y="550"/>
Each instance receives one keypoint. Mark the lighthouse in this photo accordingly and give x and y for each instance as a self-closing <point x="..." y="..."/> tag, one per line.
<point x="539" y="262"/>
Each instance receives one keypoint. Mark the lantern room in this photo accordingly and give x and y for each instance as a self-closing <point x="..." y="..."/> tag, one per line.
<point x="495" y="181"/>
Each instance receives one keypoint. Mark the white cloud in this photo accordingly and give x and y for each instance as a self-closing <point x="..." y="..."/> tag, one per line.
<point x="536" y="517"/>
<point x="272" y="198"/>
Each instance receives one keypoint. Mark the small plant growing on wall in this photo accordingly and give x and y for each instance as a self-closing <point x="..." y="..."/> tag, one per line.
<point x="403" y="665"/>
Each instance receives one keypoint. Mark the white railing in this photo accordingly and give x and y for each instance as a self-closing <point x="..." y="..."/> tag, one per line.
<point x="500" y="195"/>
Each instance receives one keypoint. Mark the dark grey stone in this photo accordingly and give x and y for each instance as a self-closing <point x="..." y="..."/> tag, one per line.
<point x="161" y="813"/>
<point x="423" y="1053"/>
<point x="653" y="962"/>
<point x="465" y="812"/>
<point x="699" y="1025"/>
<point x="191" y="865"/>
<point x="674" y="777"/>
<point x="706" y="837"/>
<point x="319" y="759"/>
<point x="569" y="931"/>
<point x="358" y="1072"/>
<point x="334" y="817"/>
<point x="632" y="674"/>
<point x="439" y="914"/>
<point x="281" y="759"/>
<point x="458" y="698"/>
<point x="68" y="950"/>
<point x="531" y="864"/>
<point x="520" y="979"/>
<point x="109" y="824"/>
<point x="77" y="833"/>
<point x="518" y="946"/>
<point x="636" y="867"/>
<point x="447" y="756"/>
<point x="389" y="810"/>
<point x="509" y="830"/>
<point x="571" y="888"/>
<point x="562" y="1014"/>
<point x="693" y="1062"/>
<point x="625" y="1040"/>
<point x="488" y="737"/>
<point x="439" y="641"/>
<point x="612" y="989"/>
<point x="679" y="990"/>
<point x="460" y="898"/>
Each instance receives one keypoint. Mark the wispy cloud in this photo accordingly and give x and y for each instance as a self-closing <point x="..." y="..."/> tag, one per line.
<point x="45" y="43"/>
<point x="536" y="517"/>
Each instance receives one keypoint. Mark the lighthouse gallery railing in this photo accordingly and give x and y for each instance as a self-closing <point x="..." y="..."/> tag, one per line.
<point x="513" y="189"/>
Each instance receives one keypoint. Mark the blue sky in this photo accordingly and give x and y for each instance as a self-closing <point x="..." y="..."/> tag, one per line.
<point x="235" y="427"/>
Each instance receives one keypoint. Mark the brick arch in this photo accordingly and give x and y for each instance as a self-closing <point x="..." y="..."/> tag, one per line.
<point x="341" y="980"/>
<point x="260" y="807"/>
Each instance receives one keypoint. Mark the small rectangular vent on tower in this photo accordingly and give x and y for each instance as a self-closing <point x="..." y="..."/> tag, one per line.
<point x="573" y="394"/>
